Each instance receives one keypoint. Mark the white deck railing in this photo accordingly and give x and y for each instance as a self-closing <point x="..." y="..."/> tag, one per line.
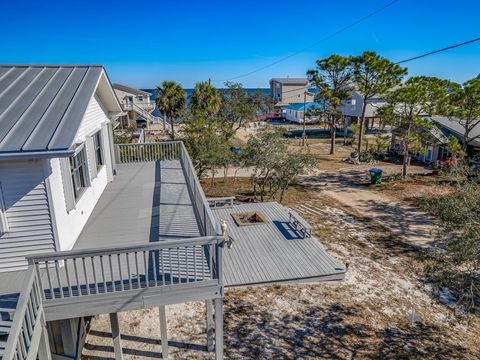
<point x="173" y="150"/>
<point x="28" y="321"/>
<point x="92" y="274"/>
<point x="85" y="273"/>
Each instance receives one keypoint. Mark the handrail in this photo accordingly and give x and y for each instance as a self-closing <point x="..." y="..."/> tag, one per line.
<point x="129" y="153"/>
<point x="81" y="273"/>
<point x="202" y="208"/>
<point x="27" y="320"/>
<point x="162" y="244"/>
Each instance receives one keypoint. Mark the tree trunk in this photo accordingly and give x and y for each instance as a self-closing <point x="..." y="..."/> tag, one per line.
<point x="235" y="176"/>
<point x="225" y="171"/>
<point x="405" y="161"/>
<point x="360" y="132"/>
<point x="164" y="123"/>
<point x="173" y="127"/>
<point x="213" y="175"/>
<point x="332" y="138"/>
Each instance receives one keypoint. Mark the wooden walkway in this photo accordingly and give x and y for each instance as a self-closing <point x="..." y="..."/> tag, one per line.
<point x="273" y="252"/>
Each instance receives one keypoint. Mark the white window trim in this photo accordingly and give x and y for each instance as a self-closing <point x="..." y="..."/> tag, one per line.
<point x="3" y="214"/>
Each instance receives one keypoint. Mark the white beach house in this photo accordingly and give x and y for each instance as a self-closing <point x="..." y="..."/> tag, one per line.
<point x="90" y="227"/>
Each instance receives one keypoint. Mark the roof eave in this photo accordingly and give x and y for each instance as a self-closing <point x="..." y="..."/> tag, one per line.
<point x="48" y="154"/>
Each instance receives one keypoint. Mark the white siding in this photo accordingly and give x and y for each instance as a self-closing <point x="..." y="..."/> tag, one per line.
<point x="70" y="224"/>
<point x="27" y="212"/>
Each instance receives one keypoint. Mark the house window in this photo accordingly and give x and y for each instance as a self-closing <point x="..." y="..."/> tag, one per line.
<point x="140" y="97"/>
<point x="97" y="144"/>
<point x="3" y="215"/>
<point x="78" y="169"/>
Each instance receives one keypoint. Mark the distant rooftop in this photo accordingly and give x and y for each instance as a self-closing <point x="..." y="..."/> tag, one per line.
<point x="131" y="90"/>
<point x="291" y="81"/>
<point x="41" y="106"/>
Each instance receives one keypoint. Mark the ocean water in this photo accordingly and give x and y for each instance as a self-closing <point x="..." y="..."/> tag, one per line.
<point x="265" y="91"/>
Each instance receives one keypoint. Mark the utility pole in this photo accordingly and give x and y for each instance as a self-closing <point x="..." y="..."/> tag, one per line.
<point x="304" y="135"/>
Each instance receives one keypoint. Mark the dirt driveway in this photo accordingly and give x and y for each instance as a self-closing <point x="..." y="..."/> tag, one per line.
<point x="350" y="187"/>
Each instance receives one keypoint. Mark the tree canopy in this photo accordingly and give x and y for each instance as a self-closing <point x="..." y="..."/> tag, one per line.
<point x="333" y="78"/>
<point x="171" y="101"/>
<point x="374" y="75"/>
<point x="205" y="99"/>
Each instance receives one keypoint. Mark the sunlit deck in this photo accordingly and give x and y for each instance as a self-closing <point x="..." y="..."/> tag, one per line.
<point x="147" y="202"/>
<point x="273" y="252"/>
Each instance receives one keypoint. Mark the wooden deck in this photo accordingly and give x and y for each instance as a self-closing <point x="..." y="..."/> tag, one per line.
<point x="273" y="252"/>
<point x="146" y="202"/>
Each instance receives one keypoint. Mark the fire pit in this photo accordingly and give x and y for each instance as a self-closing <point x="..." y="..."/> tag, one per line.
<point x="248" y="218"/>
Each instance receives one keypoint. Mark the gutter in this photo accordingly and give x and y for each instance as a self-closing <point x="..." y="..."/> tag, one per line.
<point x="36" y="154"/>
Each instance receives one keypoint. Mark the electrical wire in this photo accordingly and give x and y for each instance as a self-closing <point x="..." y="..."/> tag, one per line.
<point x="328" y="37"/>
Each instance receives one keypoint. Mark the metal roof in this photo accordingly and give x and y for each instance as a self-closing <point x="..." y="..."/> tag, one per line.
<point x="301" y="81"/>
<point x="131" y="90"/>
<point x="42" y="106"/>
<point x="455" y="127"/>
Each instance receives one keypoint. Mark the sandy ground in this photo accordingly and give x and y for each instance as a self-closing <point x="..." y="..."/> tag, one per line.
<point x="365" y="316"/>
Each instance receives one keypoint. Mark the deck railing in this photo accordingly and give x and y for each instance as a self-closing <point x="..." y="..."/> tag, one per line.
<point x="85" y="273"/>
<point x="173" y="150"/>
<point x="27" y="322"/>
<point x="130" y="153"/>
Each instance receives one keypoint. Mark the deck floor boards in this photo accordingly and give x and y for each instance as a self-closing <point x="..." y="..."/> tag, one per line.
<point x="272" y="252"/>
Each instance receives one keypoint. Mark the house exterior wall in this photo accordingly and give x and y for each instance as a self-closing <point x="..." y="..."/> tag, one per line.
<point x="70" y="224"/>
<point x="28" y="216"/>
<point x="353" y="106"/>
<point x="289" y="93"/>
<point x="146" y="104"/>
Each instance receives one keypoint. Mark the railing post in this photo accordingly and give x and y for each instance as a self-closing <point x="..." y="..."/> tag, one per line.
<point x="117" y="342"/>
<point x="209" y="315"/>
<point x="219" y="328"/>
<point x="163" y="330"/>
<point x="44" y="345"/>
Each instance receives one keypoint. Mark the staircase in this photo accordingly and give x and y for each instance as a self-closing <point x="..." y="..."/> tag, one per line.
<point x="8" y="303"/>
<point x="146" y="115"/>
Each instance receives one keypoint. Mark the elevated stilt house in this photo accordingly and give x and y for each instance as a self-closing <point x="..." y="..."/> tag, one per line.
<point x="90" y="227"/>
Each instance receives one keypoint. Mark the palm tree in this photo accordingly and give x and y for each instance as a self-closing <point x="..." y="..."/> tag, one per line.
<point x="171" y="101"/>
<point x="205" y="99"/>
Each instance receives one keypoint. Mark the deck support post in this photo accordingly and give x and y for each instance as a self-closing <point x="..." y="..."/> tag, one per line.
<point x="209" y="314"/>
<point x="219" y="329"/>
<point x="44" y="345"/>
<point x="117" y="342"/>
<point x="163" y="331"/>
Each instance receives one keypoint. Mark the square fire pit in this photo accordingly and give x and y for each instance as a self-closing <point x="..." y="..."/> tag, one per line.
<point x="248" y="218"/>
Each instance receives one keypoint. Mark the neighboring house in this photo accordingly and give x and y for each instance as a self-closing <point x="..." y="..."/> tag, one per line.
<point x="88" y="227"/>
<point x="352" y="110"/>
<point x="437" y="143"/>
<point x="295" y="112"/>
<point x="137" y="106"/>
<point x="286" y="91"/>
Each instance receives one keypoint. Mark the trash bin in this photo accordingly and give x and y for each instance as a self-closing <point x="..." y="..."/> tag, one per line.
<point x="376" y="175"/>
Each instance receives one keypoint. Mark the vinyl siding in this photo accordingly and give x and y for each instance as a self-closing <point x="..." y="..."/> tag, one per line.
<point x="27" y="212"/>
<point x="71" y="223"/>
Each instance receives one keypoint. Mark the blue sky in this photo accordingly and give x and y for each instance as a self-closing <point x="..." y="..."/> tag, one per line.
<point x="190" y="41"/>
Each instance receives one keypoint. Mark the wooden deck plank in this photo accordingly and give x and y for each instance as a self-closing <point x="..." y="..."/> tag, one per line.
<point x="266" y="254"/>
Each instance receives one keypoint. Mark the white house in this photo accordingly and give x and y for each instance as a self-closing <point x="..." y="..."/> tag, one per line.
<point x="55" y="134"/>
<point x="136" y="104"/>
<point x="89" y="227"/>
<point x="295" y="112"/>
<point x="352" y="110"/>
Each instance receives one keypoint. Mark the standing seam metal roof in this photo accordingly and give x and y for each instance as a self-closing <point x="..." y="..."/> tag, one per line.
<point x="41" y="107"/>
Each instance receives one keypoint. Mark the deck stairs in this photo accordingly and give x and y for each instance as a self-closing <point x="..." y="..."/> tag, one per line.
<point x="8" y="303"/>
<point x="147" y="115"/>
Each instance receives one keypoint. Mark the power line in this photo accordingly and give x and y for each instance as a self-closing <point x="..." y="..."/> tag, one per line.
<point x="328" y="37"/>
<point x="439" y="50"/>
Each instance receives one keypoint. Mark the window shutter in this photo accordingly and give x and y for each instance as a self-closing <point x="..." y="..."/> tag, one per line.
<point x="91" y="158"/>
<point x="3" y="214"/>
<point x="107" y="149"/>
<point x="67" y="183"/>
